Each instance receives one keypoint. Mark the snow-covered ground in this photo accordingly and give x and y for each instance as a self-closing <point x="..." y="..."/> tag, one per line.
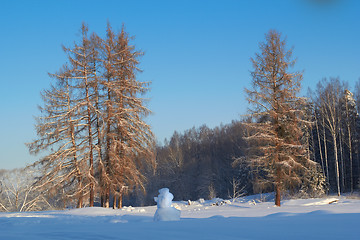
<point x="245" y="218"/>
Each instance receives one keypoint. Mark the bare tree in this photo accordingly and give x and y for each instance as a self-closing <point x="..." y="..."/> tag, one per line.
<point x="18" y="192"/>
<point x="325" y="148"/>
<point x="349" y="118"/>
<point x="319" y="142"/>
<point x="328" y="104"/>
<point x="238" y="189"/>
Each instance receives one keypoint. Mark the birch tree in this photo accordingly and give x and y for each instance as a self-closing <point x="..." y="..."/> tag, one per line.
<point x="328" y="102"/>
<point x="338" y="122"/>
<point x="349" y="117"/>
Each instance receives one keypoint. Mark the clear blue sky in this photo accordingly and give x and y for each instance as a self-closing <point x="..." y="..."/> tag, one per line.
<point x="197" y="54"/>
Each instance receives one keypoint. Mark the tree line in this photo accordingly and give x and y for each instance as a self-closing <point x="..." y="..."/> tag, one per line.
<point x="334" y="136"/>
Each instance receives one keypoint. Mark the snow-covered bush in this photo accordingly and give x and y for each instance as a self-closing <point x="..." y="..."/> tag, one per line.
<point x="315" y="184"/>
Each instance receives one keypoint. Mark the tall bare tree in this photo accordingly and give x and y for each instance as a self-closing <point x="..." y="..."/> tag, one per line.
<point x="329" y="94"/>
<point x="349" y="117"/>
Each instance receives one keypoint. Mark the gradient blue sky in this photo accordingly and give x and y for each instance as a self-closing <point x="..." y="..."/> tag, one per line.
<point x="197" y="54"/>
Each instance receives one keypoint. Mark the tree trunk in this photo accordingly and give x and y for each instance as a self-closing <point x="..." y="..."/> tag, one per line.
<point x="312" y="137"/>
<point x="120" y="201"/>
<point x="102" y="197"/>
<point x="350" y="148"/>
<point x="308" y="146"/>
<point x="351" y="161"/>
<point x="64" y="199"/>
<point x="336" y="164"/>
<point x="319" y="142"/>
<point x="80" y="202"/>
<point x="99" y="135"/>
<point x="277" y="184"/>
<point x="277" y="195"/>
<point x="325" y="153"/>
<point x="73" y="142"/>
<point x="91" y="163"/>
<point x="342" y="160"/>
<point x="91" y="157"/>
<point x="107" y="198"/>
<point x="115" y="202"/>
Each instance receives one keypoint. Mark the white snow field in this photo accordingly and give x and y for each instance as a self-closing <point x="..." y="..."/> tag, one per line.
<point x="245" y="218"/>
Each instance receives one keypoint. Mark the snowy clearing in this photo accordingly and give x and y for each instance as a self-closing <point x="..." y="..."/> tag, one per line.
<point x="245" y="218"/>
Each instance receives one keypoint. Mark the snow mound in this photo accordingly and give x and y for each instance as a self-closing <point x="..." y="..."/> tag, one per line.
<point x="322" y="202"/>
<point x="133" y="209"/>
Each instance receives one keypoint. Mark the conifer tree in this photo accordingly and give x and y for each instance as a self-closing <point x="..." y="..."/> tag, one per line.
<point x="81" y="59"/>
<point x="94" y="119"/>
<point x="127" y="137"/>
<point x="277" y="117"/>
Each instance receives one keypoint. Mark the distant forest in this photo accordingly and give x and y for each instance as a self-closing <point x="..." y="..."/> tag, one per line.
<point x="99" y="150"/>
<point x="199" y="163"/>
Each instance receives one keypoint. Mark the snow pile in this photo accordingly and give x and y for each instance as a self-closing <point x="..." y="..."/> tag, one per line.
<point x="165" y="212"/>
<point x="322" y="202"/>
<point x="133" y="209"/>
